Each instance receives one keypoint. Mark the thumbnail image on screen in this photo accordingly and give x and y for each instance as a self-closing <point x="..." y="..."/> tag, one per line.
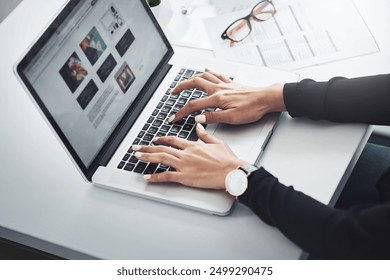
<point x="125" y="77"/>
<point x="93" y="45"/>
<point x="73" y="72"/>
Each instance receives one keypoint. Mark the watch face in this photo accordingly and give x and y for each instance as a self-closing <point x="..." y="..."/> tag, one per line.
<point x="236" y="182"/>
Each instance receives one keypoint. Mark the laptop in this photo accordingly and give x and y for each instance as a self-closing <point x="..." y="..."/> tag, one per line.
<point x="100" y="74"/>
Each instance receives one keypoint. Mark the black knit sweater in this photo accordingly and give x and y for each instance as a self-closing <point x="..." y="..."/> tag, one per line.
<point x="361" y="232"/>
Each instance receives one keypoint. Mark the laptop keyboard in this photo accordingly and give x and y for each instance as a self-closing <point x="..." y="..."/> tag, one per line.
<point x="157" y="125"/>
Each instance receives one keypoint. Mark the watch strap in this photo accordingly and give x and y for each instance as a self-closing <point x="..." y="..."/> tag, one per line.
<point x="248" y="168"/>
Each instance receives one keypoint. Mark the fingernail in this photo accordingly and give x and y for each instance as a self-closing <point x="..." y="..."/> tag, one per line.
<point x="200" y="127"/>
<point x="155" y="139"/>
<point x="147" y="176"/>
<point x="171" y="118"/>
<point x="138" y="154"/>
<point x="200" y="118"/>
<point x="136" y="147"/>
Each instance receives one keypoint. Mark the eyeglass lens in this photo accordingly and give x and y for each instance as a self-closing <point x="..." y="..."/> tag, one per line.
<point x="241" y="28"/>
<point x="263" y="11"/>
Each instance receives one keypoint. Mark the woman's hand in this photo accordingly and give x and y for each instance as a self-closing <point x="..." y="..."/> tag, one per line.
<point x="240" y="104"/>
<point x="197" y="164"/>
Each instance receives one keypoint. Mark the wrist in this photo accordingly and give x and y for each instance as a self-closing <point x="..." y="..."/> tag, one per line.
<point x="232" y="165"/>
<point x="274" y="98"/>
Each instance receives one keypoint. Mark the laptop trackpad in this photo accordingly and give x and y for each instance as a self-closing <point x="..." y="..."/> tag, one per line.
<point x="247" y="141"/>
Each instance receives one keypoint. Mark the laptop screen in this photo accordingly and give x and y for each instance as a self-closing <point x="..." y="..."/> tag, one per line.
<point x="92" y="68"/>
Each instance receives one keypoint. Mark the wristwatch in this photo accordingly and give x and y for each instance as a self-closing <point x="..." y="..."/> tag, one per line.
<point x="236" y="181"/>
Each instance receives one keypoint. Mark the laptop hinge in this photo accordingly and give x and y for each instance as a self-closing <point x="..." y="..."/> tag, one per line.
<point x="132" y="115"/>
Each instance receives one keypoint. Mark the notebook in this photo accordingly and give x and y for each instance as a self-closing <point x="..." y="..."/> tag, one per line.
<point x="100" y="74"/>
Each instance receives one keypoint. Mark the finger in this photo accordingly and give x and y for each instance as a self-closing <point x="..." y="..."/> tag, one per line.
<point x="210" y="77"/>
<point x="173" y="141"/>
<point x="156" y="149"/>
<point x="221" y="116"/>
<point x="193" y="106"/>
<point x="167" y="176"/>
<point x="163" y="158"/>
<point x="196" y="82"/>
<point x="205" y="137"/>
<point x="223" y="78"/>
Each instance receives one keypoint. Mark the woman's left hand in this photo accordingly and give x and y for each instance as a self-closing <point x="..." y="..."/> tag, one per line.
<point x="201" y="164"/>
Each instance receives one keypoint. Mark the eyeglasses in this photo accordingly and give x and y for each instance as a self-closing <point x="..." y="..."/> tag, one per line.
<point x="241" y="28"/>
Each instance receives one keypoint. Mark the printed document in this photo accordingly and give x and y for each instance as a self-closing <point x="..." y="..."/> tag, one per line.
<point x="301" y="34"/>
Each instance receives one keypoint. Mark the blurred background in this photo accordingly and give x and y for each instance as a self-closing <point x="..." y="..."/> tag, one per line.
<point x="7" y="7"/>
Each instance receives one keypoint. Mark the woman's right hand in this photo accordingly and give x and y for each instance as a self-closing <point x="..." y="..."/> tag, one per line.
<point x="239" y="104"/>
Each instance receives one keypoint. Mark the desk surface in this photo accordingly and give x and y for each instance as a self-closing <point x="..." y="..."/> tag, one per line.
<point x="44" y="202"/>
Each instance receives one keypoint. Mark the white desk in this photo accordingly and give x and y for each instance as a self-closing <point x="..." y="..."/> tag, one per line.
<point x="44" y="203"/>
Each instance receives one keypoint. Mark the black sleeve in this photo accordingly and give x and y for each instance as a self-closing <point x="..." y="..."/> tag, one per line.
<point x="359" y="233"/>
<point x="364" y="99"/>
